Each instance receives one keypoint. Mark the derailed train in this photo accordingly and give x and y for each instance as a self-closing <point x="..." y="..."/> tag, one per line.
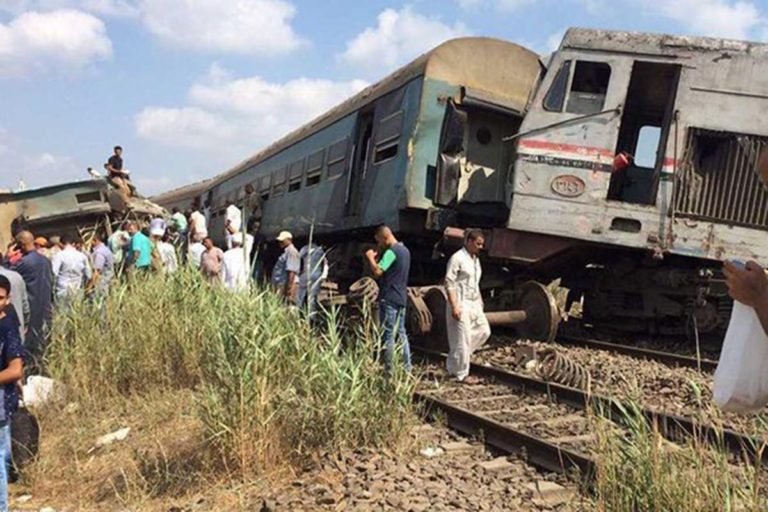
<point x="624" y="165"/>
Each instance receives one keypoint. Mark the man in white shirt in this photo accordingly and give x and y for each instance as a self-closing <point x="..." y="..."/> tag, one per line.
<point x="198" y="225"/>
<point x="233" y="222"/>
<point x="468" y="327"/>
<point x="234" y="270"/>
<point x="71" y="270"/>
<point x="168" y="254"/>
<point x="196" y="251"/>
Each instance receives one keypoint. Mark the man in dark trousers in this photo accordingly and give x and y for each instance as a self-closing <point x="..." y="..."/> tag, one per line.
<point x="36" y="271"/>
<point x="391" y="268"/>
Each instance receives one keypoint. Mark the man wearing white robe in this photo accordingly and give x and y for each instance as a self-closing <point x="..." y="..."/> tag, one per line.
<point x="468" y="328"/>
<point x="234" y="269"/>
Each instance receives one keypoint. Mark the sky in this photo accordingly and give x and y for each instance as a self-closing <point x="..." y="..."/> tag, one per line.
<point x="191" y="87"/>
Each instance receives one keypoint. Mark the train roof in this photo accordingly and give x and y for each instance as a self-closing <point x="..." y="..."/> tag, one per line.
<point x="182" y="193"/>
<point x="655" y="44"/>
<point x="463" y="61"/>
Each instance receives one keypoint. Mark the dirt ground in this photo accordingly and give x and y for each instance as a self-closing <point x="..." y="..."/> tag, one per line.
<point x="436" y="470"/>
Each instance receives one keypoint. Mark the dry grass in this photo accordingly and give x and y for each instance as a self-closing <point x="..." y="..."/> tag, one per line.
<point x="639" y="471"/>
<point x="221" y="392"/>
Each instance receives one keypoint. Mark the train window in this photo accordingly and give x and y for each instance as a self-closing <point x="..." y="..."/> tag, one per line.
<point x="555" y="98"/>
<point x="295" y="174"/>
<point x="389" y="128"/>
<point x="264" y="183"/>
<point x="647" y="146"/>
<point x="278" y="182"/>
<point x="315" y="167"/>
<point x="337" y="158"/>
<point x="385" y="152"/>
<point x="588" y="88"/>
<point x="88" y="197"/>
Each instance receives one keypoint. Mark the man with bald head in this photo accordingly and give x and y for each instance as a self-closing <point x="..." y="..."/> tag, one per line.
<point x="36" y="271"/>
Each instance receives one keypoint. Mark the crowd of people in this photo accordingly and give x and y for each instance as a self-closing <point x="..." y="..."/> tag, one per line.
<point x="39" y="274"/>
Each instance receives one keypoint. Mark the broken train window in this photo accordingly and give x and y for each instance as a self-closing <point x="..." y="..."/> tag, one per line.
<point x="587" y="91"/>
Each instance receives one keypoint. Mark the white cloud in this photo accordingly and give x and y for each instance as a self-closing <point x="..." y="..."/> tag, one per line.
<point x="502" y="5"/>
<point x="398" y="37"/>
<point x="113" y="8"/>
<point x="35" y="169"/>
<point x="232" y="26"/>
<point x="242" y="26"/>
<point x="239" y="115"/>
<point x="714" y="18"/>
<point x="63" y="40"/>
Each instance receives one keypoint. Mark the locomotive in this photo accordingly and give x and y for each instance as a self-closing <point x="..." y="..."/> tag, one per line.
<point x="622" y="165"/>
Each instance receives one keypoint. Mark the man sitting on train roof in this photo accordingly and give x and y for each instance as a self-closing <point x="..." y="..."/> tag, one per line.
<point x="118" y="176"/>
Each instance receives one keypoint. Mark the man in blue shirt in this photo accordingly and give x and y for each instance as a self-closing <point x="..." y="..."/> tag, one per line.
<point x="391" y="269"/>
<point x="11" y="372"/>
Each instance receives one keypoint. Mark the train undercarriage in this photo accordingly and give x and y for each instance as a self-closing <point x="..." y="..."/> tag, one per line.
<point x="596" y="287"/>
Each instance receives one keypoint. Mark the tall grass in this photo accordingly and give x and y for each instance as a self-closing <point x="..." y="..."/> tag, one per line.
<point x="271" y="389"/>
<point x="640" y="471"/>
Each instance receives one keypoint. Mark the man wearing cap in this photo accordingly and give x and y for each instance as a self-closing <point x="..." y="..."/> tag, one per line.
<point x="234" y="269"/>
<point x="284" y="275"/>
<point x="748" y="283"/>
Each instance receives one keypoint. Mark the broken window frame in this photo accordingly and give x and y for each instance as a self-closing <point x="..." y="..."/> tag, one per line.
<point x="563" y="83"/>
<point x="279" y="179"/>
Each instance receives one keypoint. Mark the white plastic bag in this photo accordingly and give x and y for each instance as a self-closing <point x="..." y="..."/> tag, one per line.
<point x="741" y="378"/>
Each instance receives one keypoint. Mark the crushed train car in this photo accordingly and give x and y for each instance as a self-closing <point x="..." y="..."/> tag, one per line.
<point x="69" y="208"/>
<point x="624" y="166"/>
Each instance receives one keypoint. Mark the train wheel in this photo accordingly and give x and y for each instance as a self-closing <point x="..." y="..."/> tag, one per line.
<point x="542" y="313"/>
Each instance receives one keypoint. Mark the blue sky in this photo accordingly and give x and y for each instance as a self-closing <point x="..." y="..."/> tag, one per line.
<point x="191" y="87"/>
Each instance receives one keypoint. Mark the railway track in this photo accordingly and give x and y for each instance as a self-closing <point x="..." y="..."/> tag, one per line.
<point x="549" y="422"/>
<point x="668" y="358"/>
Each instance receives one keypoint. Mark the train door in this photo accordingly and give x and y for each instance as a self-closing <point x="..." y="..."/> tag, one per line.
<point x="645" y="124"/>
<point x="361" y="150"/>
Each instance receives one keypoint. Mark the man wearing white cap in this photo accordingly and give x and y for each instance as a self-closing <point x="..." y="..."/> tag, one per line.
<point x="286" y="271"/>
<point x="234" y="269"/>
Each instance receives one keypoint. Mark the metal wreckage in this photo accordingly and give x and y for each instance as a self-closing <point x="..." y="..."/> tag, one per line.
<point x="76" y="208"/>
<point x="623" y="165"/>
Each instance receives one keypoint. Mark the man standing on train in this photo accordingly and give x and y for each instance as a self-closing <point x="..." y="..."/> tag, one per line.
<point x="468" y="328"/>
<point x="391" y="268"/>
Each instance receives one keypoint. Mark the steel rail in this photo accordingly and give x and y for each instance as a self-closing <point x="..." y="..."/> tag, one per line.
<point x="672" y="427"/>
<point x="668" y="358"/>
<point x="538" y="452"/>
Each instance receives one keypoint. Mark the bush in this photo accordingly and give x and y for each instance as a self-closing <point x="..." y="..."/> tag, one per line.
<point x="271" y="388"/>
